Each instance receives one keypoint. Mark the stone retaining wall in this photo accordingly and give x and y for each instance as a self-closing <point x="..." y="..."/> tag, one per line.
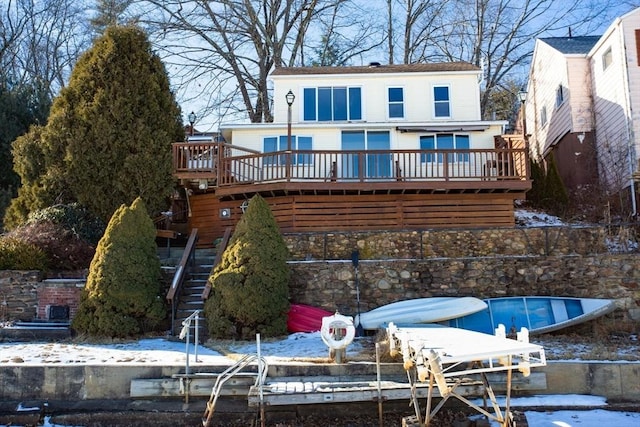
<point x="561" y="261"/>
<point x="19" y="294"/>
<point x="452" y="243"/>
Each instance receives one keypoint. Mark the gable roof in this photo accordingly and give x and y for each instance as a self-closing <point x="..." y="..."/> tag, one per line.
<point x="572" y="45"/>
<point x="375" y="68"/>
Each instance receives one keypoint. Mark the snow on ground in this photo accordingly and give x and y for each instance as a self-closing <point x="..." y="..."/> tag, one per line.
<point x="159" y="351"/>
<point x="525" y="217"/>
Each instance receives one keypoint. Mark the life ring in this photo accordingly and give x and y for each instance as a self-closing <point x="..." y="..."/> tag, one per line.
<point x="332" y="323"/>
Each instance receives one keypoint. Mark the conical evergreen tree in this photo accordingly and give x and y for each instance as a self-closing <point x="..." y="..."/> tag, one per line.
<point x="250" y="286"/>
<point x="122" y="295"/>
<point x="109" y="134"/>
<point x="556" y="197"/>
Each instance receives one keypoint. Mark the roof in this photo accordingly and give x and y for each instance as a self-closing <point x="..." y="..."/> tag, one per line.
<point x="572" y="45"/>
<point x="376" y="68"/>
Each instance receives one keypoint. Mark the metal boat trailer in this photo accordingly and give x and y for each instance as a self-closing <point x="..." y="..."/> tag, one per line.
<point x="446" y="358"/>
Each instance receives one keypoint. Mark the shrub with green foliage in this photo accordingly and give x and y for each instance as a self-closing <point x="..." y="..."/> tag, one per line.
<point x="16" y="254"/>
<point x="250" y="286"/>
<point x="122" y="295"/>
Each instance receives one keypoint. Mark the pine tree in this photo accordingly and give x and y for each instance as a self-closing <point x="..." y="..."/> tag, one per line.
<point x="250" y="286"/>
<point x="109" y="134"/>
<point x="122" y="295"/>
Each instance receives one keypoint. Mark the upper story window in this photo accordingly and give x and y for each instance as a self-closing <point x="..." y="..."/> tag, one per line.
<point x="543" y="116"/>
<point x="326" y="104"/>
<point x="559" y="96"/>
<point x="279" y="143"/>
<point x="607" y="59"/>
<point x="441" y="101"/>
<point x="396" y="102"/>
<point x="445" y="141"/>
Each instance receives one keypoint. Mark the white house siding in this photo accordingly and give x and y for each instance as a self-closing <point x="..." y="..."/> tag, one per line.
<point x="548" y="72"/>
<point x="611" y="105"/>
<point x="579" y="74"/>
<point x="631" y="24"/>
<point x="464" y="94"/>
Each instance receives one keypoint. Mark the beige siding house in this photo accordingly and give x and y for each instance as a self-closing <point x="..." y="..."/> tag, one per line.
<point x="582" y="107"/>
<point x="394" y="147"/>
<point x="558" y="108"/>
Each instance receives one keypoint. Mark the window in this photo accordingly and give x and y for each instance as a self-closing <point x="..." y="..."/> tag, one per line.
<point x="377" y="165"/>
<point x="607" y="59"/>
<point x="279" y="143"/>
<point x="396" y="103"/>
<point x="559" y="96"/>
<point x="325" y="104"/>
<point x="543" y="116"/>
<point x="441" y="101"/>
<point x="445" y="141"/>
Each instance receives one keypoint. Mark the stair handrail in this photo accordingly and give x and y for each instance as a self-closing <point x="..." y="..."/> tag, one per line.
<point x="219" y="250"/>
<point x="178" y="277"/>
<point x="186" y="333"/>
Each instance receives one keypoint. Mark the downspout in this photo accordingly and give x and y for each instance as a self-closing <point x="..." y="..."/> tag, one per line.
<point x="629" y="110"/>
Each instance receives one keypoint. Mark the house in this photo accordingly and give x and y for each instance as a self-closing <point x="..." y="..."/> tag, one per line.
<point x="582" y="96"/>
<point x="361" y="148"/>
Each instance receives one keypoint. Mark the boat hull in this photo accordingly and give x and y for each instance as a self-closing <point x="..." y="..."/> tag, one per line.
<point x="536" y="313"/>
<point x="305" y="318"/>
<point x="419" y="310"/>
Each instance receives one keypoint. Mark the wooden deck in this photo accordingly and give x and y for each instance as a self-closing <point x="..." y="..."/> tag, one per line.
<point x="234" y="172"/>
<point x="353" y="190"/>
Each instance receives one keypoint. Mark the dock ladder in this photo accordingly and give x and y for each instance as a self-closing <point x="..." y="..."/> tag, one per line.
<point x="229" y="373"/>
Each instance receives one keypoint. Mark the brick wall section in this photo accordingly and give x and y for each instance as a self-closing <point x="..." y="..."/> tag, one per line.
<point x="59" y="292"/>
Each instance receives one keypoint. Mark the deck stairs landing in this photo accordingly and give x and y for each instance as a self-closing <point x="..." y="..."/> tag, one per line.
<point x="190" y="298"/>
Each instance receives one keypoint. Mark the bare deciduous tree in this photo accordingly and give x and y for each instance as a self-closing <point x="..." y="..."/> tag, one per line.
<point x="495" y="35"/>
<point x="40" y="41"/>
<point x="224" y="50"/>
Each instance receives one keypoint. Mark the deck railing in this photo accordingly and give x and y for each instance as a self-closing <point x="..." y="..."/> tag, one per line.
<point x="231" y="165"/>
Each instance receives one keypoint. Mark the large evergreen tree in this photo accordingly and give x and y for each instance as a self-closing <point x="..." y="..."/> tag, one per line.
<point x="20" y="106"/>
<point x="109" y="135"/>
<point x="250" y="286"/>
<point x="122" y="295"/>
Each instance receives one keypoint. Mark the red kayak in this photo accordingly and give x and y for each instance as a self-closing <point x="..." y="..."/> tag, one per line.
<point x="305" y="318"/>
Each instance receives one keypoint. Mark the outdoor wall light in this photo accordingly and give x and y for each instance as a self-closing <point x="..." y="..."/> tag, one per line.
<point x="225" y="213"/>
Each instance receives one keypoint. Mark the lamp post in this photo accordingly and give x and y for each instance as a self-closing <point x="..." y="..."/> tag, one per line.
<point x="192" y="119"/>
<point x="522" y="95"/>
<point x="290" y="97"/>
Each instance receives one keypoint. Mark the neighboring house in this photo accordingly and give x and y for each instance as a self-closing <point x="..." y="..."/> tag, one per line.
<point x="362" y="148"/>
<point x="583" y="95"/>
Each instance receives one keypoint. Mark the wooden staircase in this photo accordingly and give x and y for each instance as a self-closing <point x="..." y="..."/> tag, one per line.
<point x="189" y="288"/>
<point x="195" y="281"/>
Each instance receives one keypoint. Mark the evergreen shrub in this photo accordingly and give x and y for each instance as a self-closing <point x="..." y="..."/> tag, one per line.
<point x="250" y="286"/>
<point x="122" y="297"/>
<point x="16" y="254"/>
